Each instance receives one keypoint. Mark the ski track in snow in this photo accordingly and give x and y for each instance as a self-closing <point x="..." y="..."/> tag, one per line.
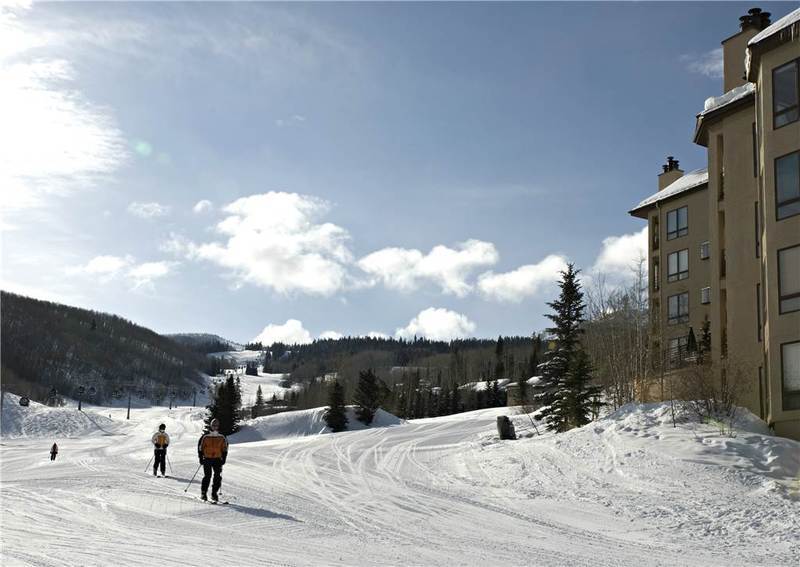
<point x="439" y="491"/>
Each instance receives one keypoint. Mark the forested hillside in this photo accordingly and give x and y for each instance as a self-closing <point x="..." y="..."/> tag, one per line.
<point x="419" y="378"/>
<point x="204" y="343"/>
<point x="47" y="346"/>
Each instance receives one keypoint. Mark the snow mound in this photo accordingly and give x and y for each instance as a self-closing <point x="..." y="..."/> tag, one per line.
<point x="38" y="420"/>
<point x="302" y="423"/>
<point x="716" y="102"/>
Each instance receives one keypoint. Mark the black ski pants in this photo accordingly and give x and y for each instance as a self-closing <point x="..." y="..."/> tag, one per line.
<point x="160" y="459"/>
<point x="53" y="456"/>
<point x="210" y="465"/>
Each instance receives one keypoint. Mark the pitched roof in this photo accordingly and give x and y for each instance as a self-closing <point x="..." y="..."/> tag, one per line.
<point x="692" y="180"/>
<point x="771" y="30"/>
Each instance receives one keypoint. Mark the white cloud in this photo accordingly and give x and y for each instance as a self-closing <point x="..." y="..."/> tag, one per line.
<point x="53" y="142"/>
<point x="148" y="210"/>
<point x="437" y="324"/>
<point x="293" y="119"/>
<point x="620" y="255"/>
<point x="144" y="275"/>
<point x="203" y="206"/>
<point x="709" y="64"/>
<point x="377" y="335"/>
<point x="406" y="269"/>
<point x="291" y="332"/>
<point x="330" y="335"/>
<point x="274" y="240"/>
<point x="139" y="276"/>
<point x="523" y="282"/>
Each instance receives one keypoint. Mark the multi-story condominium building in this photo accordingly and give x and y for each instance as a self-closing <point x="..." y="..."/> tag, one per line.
<point x="724" y="241"/>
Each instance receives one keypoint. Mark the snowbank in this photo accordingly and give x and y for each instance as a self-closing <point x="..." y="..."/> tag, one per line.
<point x="302" y="423"/>
<point x="38" y="420"/>
<point x="688" y="478"/>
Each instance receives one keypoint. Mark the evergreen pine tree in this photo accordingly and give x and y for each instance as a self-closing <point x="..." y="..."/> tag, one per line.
<point x="367" y="397"/>
<point x="225" y="407"/>
<point x="455" y="399"/>
<point x="553" y="392"/>
<point x="499" y="359"/>
<point x="582" y="396"/>
<point x="336" y="414"/>
<point x="496" y="395"/>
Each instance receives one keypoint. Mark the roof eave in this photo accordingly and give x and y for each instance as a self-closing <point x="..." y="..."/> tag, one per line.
<point x="701" y="131"/>
<point x="641" y="212"/>
<point x="784" y="35"/>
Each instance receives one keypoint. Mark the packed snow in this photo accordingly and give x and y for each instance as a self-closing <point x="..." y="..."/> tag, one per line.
<point x="738" y="93"/>
<point x="629" y="489"/>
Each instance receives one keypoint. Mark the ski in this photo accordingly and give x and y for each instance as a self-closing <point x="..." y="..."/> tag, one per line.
<point x="218" y="503"/>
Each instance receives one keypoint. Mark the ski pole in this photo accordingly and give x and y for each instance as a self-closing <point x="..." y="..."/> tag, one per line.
<point x="194" y="475"/>
<point x="148" y="463"/>
<point x="170" y="466"/>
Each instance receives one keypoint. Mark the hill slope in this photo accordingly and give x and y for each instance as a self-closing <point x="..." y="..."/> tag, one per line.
<point x="47" y="345"/>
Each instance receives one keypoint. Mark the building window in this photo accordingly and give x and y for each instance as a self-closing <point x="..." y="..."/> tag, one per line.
<point x="705" y="295"/>
<point x="790" y="371"/>
<point x="705" y="250"/>
<point x="785" y="89"/>
<point x="678" y="265"/>
<point x="654" y="226"/>
<point x="789" y="279"/>
<point x="759" y="313"/>
<point x="758" y="231"/>
<point x="755" y="151"/>
<point x="656" y="274"/>
<point x="677" y="351"/>
<point x="678" y="308"/>
<point x="787" y="185"/>
<point x="677" y="223"/>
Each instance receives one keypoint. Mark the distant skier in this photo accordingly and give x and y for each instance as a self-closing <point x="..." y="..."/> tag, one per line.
<point x="160" y="444"/>
<point x="212" y="450"/>
<point x="53" y="452"/>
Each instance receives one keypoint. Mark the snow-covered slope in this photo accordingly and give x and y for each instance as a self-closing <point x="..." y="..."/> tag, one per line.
<point x="303" y="422"/>
<point x="37" y="420"/>
<point x="270" y="385"/>
<point x="627" y="490"/>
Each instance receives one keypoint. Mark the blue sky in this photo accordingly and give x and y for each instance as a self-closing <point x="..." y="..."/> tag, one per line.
<point x="391" y="168"/>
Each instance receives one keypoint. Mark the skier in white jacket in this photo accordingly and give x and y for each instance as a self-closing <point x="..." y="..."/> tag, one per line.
<point x="160" y="443"/>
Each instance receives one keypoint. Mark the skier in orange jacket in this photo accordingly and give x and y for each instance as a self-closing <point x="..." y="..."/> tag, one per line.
<point x="160" y="443"/>
<point x="212" y="451"/>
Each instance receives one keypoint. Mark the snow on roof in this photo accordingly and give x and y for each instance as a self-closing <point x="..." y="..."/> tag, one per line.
<point x="769" y="31"/>
<point x="689" y="181"/>
<point x="716" y="102"/>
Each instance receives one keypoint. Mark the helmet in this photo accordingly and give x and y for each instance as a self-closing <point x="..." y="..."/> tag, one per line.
<point x="215" y="423"/>
<point x="162" y="427"/>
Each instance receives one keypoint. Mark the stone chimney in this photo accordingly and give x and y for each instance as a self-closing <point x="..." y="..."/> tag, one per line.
<point x="733" y="48"/>
<point x="671" y="173"/>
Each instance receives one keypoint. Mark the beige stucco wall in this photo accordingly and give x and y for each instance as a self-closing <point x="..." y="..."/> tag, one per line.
<point x="699" y="270"/>
<point x="733" y="229"/>
<point x="779" y="328"/>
